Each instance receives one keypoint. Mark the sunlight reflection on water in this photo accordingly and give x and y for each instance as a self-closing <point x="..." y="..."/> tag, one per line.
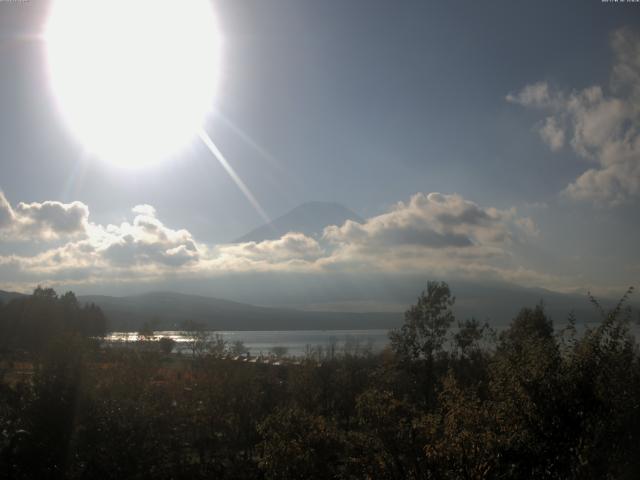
<point x="298" y="342"/>
<point x="295" y="341"/>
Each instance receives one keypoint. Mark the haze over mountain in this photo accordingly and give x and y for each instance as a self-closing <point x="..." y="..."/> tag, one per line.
<point x="309" y="218"/>
<point x="171" y="309"/>
<point x="6" y="297"/>
<point x="497" y="304"/>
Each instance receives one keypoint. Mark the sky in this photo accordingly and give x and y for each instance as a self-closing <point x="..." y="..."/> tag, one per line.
<point x="490" y="141"/>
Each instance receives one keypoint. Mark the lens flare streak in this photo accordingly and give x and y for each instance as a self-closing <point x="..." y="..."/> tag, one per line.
<point x="232" y="173"/>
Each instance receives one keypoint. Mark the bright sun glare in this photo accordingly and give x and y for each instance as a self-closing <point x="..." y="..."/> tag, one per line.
<point x="134" y="79"/>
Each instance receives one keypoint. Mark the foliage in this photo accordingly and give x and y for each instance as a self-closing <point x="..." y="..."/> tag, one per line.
<point x="531" y="403"/>
<point x="426" y="324"/>
<point x="31" y="321"/>
<point x="166" y="345"/>
<point x="238" y="348"/>
<point x="298" y="444"/>
<point x="279" y="351"/>
<point x="202" y="341"/>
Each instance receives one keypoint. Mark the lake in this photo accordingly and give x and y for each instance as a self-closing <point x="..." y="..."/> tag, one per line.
<point x="296" y="342"/>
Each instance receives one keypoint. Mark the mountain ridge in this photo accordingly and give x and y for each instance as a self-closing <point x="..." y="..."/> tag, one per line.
<point x="496" y="304"/>
<point x="170" y="310"/>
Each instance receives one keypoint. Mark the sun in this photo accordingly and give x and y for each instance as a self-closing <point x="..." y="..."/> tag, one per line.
<point x="134" y="79"/>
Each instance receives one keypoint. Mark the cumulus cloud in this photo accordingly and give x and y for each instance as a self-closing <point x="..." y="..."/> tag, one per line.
<point x="144" y="209"/>
<point x="144" y="247"/>
<point x="292" y="246"/>
<point x="429" y="220"/>
<point x="431" y="232"/>
<point x="145" y="241"/>
<point x="438" y="233"/>
<point x="46" y="220"/>
<point x="602" y="127"/>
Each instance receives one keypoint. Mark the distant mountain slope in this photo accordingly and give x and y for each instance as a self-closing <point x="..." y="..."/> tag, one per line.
<point x="500" y="303"/>
<point x="323" y="307"/>
<point x="8" y="296"/>
<point x="171" y="309"/>
<point x="309" y="218"/>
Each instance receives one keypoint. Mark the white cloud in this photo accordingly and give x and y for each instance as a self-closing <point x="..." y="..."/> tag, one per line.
<point x="144" y="209"/>
<point x="45" y="221"/>
<point x="145" y="241"/>
<point x="145" y="247"/>
<point x="602" y="128"/>
<point x="552" y="134"/>
<point x="534" y="95"/>
<point x="429" y="221"/>
<point x="431" y="232"/>
<point x="291" y="246"/>
<point x="441" y="234"/>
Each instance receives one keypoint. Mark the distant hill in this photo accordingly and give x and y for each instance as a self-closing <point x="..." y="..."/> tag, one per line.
<point x="171" y="309"/>
<point x="309" y="218"/>
<point x="8" y="296"/>
<point x="321" y="307"/>
<point x="499" y="303"/>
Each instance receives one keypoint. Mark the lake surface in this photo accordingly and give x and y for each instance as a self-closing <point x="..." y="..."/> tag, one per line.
<point x="296" y="342"/>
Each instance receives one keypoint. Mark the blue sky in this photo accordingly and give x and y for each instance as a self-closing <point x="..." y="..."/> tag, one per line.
<point x="366" y="103"/>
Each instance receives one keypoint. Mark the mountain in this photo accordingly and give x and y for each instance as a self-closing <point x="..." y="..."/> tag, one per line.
<point x="169" y="310"/>
<point x="498" y="302"/>
<point x="6" y="297"/>
<point x="331" y="306"/>
<point x="309" y="218"/>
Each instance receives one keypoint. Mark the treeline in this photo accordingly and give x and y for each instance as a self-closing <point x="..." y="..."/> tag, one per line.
<point x="30" y="322"/>
<point x="465" y="403"/>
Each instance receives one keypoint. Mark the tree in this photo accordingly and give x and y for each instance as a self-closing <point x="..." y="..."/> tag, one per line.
<point x="391" y="442"/>
<point x="166" y="345"/>
<point x="45" y="293"/>
<point x="279" y="351"/>
<point x="426" y="324"/>
<point x="468" y="339"/>
<point x="530" y="323"/>
<point x="297" y="444"/>
<point x="216" y="345"/>
<point x="32" y="321"/>
<point x="525" y="382"/>
<point x="203" y="341"/>
<point x="238" y="348"/>
<point x="146" y="332"/>
<point x="464" y="433"/>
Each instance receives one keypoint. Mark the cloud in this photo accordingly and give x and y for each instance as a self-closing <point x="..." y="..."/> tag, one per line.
<point x="552" y="134"/>
<point x="144" y="247"/>
<point x="625" y="76"/>
<point x="603" y="128"/>
<point x="44" y="221"/>
<point x="534" y="95"/>
<point x="430" y="221"/>
<point x="439" y="233"/>
<point x="443" y="234"/>
<point x="145" y="241"/>
<point x="144" y="209"/>
<point x="292" y="246"/>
